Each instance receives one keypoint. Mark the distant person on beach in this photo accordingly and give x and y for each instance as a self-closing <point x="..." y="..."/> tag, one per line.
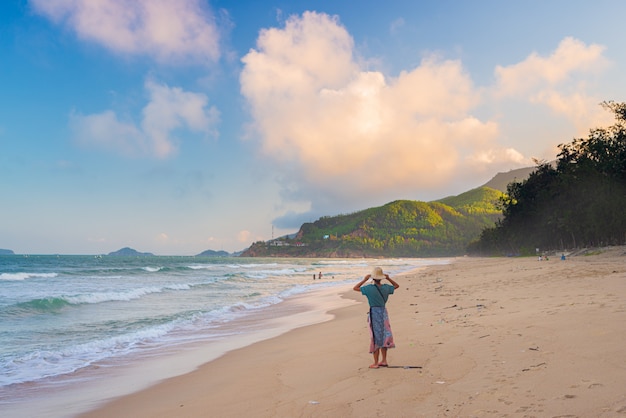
<point x="320" y="276"/>
<point x="378" y="319"/>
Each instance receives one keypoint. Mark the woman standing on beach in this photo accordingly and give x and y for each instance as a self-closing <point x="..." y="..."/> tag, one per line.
<point x="380" y="329"/>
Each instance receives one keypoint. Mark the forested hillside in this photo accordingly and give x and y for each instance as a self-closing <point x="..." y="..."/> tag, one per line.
<point x="398" y="229"/>
<point x="580" y="202"/>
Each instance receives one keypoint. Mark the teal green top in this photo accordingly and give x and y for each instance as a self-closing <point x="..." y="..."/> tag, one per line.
<point x="374" y="297"/>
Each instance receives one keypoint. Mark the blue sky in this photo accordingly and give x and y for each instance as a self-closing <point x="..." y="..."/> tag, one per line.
<point x="176" y="126"/>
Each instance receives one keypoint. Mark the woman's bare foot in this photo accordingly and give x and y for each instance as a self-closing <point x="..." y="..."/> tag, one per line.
<point x="373" y="366"/>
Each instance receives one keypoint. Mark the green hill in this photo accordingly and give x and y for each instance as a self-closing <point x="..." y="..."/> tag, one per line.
<point x="577" y="200"/>
<point x="476" y="200"/>
<point x="403" y="228"/>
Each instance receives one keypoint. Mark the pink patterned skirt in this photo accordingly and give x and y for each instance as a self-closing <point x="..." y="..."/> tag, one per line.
<point x="380" y="329"/>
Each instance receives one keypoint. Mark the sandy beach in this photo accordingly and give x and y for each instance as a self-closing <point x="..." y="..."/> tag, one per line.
<point x="481" y="337"/>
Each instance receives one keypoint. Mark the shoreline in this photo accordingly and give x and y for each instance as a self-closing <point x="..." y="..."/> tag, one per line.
<point x="90" y="389"/>
<point x="494" y="337"/>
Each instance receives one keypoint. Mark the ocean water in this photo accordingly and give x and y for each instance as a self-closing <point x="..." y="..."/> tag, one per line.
<point x="65" y="318"/>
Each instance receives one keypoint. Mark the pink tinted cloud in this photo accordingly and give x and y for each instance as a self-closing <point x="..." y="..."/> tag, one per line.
<point x="170" y="31"/>
<point x="570" y="58"/>
<point x="344" y="128"/>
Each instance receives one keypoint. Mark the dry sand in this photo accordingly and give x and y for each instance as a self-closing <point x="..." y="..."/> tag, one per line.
<point x="494" y="337"/>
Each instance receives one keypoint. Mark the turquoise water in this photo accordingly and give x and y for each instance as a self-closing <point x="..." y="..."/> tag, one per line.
<point x="63" y="315"/>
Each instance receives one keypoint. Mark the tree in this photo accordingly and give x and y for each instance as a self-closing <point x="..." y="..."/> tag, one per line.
<point x="579" y="202"/>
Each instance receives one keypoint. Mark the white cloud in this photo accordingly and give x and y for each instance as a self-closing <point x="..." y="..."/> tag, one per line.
<point x="492" y="156"/>
<point x="244" y="236"/>
<point x="342" y="136"/>
<point x="583" y="111"/>
<point x="346" y="133"/>
<point x="172" y="108"/>
<point x="162" y="238"/>
<point x="535" y="73"/>
<point x="104" y="130"/>
<point x="559" y="82"/>
<point x="556" y="81"/>
<point x="171" y="31"/>
<point x="169" y="109"/>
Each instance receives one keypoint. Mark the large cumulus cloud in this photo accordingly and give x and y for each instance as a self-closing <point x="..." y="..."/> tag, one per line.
<point x="345" y="132"/>
<point x="344" y="135"/>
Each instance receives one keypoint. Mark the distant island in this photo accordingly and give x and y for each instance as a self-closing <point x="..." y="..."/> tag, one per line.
<point x="6" y="252"/>
<point x="211" y="253"/>
<point x="126" y="251"/>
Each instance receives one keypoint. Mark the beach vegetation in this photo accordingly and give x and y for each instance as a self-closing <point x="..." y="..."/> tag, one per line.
<point x="576" y="202"/>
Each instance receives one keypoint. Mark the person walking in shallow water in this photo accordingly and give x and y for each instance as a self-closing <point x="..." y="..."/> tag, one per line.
<point x="377" y="294"/>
